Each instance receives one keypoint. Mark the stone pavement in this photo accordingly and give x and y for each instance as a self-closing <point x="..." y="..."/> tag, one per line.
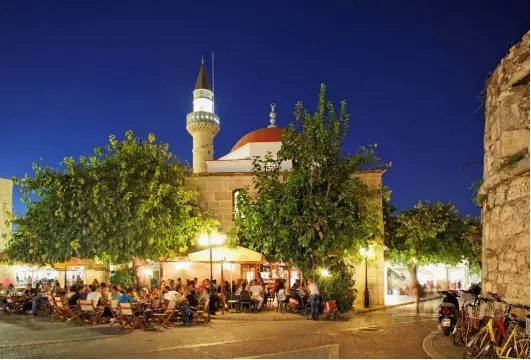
<point x="392" y="333"/>
<point x="438" y="346"/>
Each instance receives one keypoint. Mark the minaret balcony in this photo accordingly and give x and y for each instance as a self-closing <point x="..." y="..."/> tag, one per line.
<point x="202" y="117"/>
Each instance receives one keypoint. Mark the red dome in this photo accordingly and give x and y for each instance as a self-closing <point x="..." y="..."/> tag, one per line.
<point x="272" y="134"/>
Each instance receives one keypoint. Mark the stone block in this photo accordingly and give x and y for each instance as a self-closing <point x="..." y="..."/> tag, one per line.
<point x="223" y="195"/>
<point x="214" y="185"/>
<point x="207" y="196"/>
<point x="501" y="194"/>
<point x="512" y="141"/>
<point x="213" y="205"/>
<point x="518" y="188"/>
<point x="226" y="205"/>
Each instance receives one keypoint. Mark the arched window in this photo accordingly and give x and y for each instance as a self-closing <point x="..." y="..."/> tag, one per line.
<point x="235" y="210"/>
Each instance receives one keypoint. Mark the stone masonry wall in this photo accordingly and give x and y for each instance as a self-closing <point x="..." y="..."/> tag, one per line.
<point x="505" y="189"/>
<point x="6" y="203"/>
<point x="215" y="195"/>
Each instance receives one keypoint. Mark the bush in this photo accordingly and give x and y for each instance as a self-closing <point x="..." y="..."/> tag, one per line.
<point x="338" y="285"/>
<point x="123" y="277"/>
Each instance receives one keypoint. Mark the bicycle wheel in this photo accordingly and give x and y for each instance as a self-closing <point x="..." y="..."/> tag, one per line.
<point x="521" y="350"/>
<point x="476" y="346"/>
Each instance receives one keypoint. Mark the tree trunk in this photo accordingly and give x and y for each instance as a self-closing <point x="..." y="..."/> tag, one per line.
<point x="140" y="278"/>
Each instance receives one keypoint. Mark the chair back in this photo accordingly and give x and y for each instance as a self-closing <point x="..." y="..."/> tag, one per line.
<point x="59" y="302"/>
<point x="156" y="303"/>
<point x="86" y="305"/>
<point x="114" y="304"/>
<point x="171" y="304"/>
<point x="126" y="309"/>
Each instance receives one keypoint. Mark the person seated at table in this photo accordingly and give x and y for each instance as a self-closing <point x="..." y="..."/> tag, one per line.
<point x="9" y="292"/>
<point x="94" y="295"/>
<point x="192" y="296"/>
<point x="127" y="297"/>
<point x="115" y="292"/>
<point x="257" y="294"/>
<point x="144" y="295"/>
<point x="233" y="287"/>
<point x="41" y="298"/>
<point x="75" y="296"/>
<point x="243" y="286"/>
<point x="187" y="313"/>
<point x="170" y="294"/>
<point x="30" y="293"/>
<point x="203" y="298"/>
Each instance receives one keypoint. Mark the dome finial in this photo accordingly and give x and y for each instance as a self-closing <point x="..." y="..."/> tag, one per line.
<point x="272" y="116"/>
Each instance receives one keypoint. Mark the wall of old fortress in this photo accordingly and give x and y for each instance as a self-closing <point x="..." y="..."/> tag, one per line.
<point x="505" y="188"/>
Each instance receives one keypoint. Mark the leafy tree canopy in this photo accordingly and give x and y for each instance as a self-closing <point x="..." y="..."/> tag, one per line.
<point x="431" y="233"/>
<point x="126" y="200"/>
<point x="317" y="207"/>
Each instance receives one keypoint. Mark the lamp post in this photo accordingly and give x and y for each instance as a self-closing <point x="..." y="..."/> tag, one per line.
<point x="211" y="240"/>
<point x="366" y="254"/>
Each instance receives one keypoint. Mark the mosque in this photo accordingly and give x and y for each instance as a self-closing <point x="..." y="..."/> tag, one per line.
<point x="219" y="181"/>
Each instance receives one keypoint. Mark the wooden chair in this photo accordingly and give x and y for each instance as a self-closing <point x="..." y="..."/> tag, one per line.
<point x="163" y="318"/>
<point x="55" y="312"/>
<point x="89" y="313"/>
<point x="14" y="306"/>
<point x="112" y="305"/>
<point x="69" y="314"/>
<point x="128" y="319"/>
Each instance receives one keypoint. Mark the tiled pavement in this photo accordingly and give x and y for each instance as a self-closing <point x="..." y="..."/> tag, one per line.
<point x="396" y="333"/>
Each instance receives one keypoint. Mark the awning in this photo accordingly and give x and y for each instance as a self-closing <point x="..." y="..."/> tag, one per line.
<point x="224" y="253"/>
<point x="74" y="262"/>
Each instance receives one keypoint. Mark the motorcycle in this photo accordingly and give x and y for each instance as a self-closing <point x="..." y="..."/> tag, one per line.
<point x="448" y="312"/>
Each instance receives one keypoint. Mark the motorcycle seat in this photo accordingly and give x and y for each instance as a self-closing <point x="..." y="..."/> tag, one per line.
<point x="447" y="305"/>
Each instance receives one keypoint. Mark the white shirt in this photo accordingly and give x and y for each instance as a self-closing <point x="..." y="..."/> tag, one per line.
<point x="170" y="295"/>
<point x="94" y="296"/>
<point x="314" y="290"/>
<point x="256" y="290"/>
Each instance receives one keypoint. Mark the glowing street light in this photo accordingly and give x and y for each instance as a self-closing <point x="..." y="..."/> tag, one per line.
<point x="324" y="272"/>
<point x="366" y="253"/>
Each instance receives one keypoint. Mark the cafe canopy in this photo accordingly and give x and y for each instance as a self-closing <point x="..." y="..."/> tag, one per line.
<point x="227" y="254"/>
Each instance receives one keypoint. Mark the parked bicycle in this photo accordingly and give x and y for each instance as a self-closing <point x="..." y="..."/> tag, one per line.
<point x="503" y="337"/>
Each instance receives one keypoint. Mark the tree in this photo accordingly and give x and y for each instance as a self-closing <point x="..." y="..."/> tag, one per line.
<point x="126" y="202"/>
<point x="318" y="207"/>
<point x="431" y="233"/>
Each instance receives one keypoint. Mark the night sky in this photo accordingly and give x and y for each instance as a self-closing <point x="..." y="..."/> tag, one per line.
<point x="71" y="72"/>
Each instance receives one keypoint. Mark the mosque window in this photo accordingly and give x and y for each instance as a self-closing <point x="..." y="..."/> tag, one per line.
<point x="270" y="165"/>
<point x="235" y="194"/>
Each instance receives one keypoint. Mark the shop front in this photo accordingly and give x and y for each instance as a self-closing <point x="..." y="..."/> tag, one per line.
<point x="21" y="275"/>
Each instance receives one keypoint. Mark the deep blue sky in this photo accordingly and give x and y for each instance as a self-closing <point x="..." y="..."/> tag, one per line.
<point x="71" y="72"/>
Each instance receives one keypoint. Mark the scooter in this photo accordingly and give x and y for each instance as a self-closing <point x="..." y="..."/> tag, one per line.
<point x="448" y="312"/>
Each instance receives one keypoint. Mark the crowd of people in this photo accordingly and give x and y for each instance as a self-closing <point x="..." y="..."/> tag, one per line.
<point x="190" y="294"/>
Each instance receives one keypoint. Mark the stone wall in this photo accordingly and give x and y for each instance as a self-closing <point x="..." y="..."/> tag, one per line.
<point x="6" y="203"/>
<point x="216" y="195"/>
<point x="505" y="190"/>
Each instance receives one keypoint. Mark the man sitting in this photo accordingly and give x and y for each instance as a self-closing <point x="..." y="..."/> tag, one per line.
<point x="94" y="295"/>
<point x="257" y="293"/>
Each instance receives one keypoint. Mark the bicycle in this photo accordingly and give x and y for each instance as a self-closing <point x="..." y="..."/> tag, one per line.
<point x="492" y="340"/>
<point x="470" y="318"/>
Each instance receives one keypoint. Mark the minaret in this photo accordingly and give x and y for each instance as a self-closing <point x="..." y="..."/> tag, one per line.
<point x="202" y="123"/>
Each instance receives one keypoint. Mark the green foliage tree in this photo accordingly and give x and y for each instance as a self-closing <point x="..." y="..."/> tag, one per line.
<point x="122" y="277"/>
<point x="125" y="202"/>
<point x="318" y="207"/>
<point x="338" y="285"/>
<point x="432" y="233"/>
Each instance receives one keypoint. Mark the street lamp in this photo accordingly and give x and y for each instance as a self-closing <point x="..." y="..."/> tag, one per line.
<point x="366" y="254"/>
<point x="211" y="240"/>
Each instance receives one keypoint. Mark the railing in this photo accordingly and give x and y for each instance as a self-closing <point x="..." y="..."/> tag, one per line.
<point x="201" y="117"/>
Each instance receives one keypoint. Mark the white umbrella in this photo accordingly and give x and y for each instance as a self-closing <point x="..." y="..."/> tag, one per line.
<point x="224" y="253"/>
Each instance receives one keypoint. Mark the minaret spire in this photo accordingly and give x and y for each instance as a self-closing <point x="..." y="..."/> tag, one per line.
<point x="273" y="116"/>
<point x="202" y="123"/>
